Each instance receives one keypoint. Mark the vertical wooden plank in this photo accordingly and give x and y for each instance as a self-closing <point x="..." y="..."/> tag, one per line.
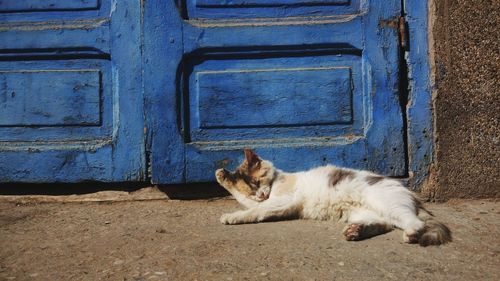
<point x="381" y="54"/>
<point x="163" y="51"/>
<point x="129" y="158"/>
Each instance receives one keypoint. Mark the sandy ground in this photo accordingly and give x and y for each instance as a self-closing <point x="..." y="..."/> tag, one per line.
<point x="183" y="240"/>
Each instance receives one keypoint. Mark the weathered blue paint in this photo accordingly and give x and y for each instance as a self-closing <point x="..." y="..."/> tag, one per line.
<point x="30" y="97"/>
<point x="321" y="90"/>
<point x="419" y="109"/>
<point x="41" y="14"/>
<point x="267" y="3"/>
<point x="71" y="91"/>
<point x="271" y="97"/>
<point x="202" y="54"/>
<point x="199" y="9"/>
<point x="57" y="132"/>
<point x="47" y="5"/>
<point x="303" y="82"/>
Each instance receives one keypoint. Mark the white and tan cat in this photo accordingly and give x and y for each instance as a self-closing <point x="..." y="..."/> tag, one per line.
<point x="370" y="204"/>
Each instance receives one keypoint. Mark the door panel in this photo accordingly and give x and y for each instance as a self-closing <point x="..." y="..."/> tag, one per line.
<point x="245" y="98"/>
<point x="66" y="100"/>
<point x="47" y="5"/>
<point x="302" y="88"/>
<point x="273" y="97"/>
<point x="53" y="106"/>
<point x="71" y="91"/>
<point x="268" y="8"/>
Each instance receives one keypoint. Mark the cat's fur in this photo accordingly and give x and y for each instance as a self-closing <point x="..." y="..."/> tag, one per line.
<point x="370" y="204"/>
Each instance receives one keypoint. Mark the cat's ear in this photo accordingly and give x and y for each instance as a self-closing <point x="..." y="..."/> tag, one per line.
<point x="251" y="157"/>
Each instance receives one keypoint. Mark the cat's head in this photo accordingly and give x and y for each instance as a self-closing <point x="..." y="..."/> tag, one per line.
<point x="254" y="174"/>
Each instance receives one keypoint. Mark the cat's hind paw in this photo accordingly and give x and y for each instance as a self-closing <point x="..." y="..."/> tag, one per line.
<point x="229" y="219"/>
<point x="410" y="237"/>
<point x="352" y="232"/>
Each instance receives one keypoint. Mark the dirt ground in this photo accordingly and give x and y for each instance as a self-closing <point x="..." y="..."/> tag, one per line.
<point x="183" y="240"/>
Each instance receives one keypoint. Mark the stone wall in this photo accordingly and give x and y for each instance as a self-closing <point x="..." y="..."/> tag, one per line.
<point x="466" y="59"/>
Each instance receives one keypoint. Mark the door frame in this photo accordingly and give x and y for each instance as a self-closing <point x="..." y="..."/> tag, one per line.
<point x="419" y="108"/>
<point x="418" y="105"/>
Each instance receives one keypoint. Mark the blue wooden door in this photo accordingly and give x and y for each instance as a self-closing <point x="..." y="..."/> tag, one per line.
<point x="71" y="104"/>
<point x="304" y="83"/>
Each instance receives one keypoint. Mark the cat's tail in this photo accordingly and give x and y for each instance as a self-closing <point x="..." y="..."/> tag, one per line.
<point x="433" y="232"/>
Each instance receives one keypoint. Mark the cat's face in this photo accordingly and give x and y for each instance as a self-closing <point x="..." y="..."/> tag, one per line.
<point x="252" y="178"/>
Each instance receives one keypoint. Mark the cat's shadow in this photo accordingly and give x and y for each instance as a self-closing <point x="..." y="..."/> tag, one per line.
<point x="194" y="191"/>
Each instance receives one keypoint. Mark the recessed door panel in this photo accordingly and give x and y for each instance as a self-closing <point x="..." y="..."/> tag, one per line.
<point x="212" y="9"/>
<point x="272" y="96"/>
<point x="245" y="98"/>
<point x="60" y="100"/>
<point x="9" y="6"/>
<point x="30" y="98"/>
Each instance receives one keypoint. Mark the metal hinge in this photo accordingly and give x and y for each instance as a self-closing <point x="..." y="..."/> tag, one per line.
<point x="403" y="33"/>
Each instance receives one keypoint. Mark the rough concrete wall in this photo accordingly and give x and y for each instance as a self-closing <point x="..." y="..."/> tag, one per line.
<point x="467" y="102"/>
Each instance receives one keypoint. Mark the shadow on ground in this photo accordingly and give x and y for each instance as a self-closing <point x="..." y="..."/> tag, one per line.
<point x="96" y="190"/>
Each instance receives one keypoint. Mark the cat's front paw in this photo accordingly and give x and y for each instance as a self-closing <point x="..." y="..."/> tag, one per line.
<point x="256" y="198"/>
<point x="263" y="193"/>
<point x="220" y="175"/>
<point x="229" y="219"/>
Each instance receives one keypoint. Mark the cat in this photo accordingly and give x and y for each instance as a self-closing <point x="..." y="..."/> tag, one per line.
<point x="370" y="204"/>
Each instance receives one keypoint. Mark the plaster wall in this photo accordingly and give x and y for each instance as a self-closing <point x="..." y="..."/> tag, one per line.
<point x="465" y="38"/>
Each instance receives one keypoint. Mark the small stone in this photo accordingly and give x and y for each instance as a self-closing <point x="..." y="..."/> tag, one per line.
<point x="107" y="222"/>
<point x="264" y="273"/>
<point x="161" y="230"/>
<point x="160" y="272"/>
<point x="118" y="262"/>
<point x="33" y="274"/>
<point x="341" y="263"/>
